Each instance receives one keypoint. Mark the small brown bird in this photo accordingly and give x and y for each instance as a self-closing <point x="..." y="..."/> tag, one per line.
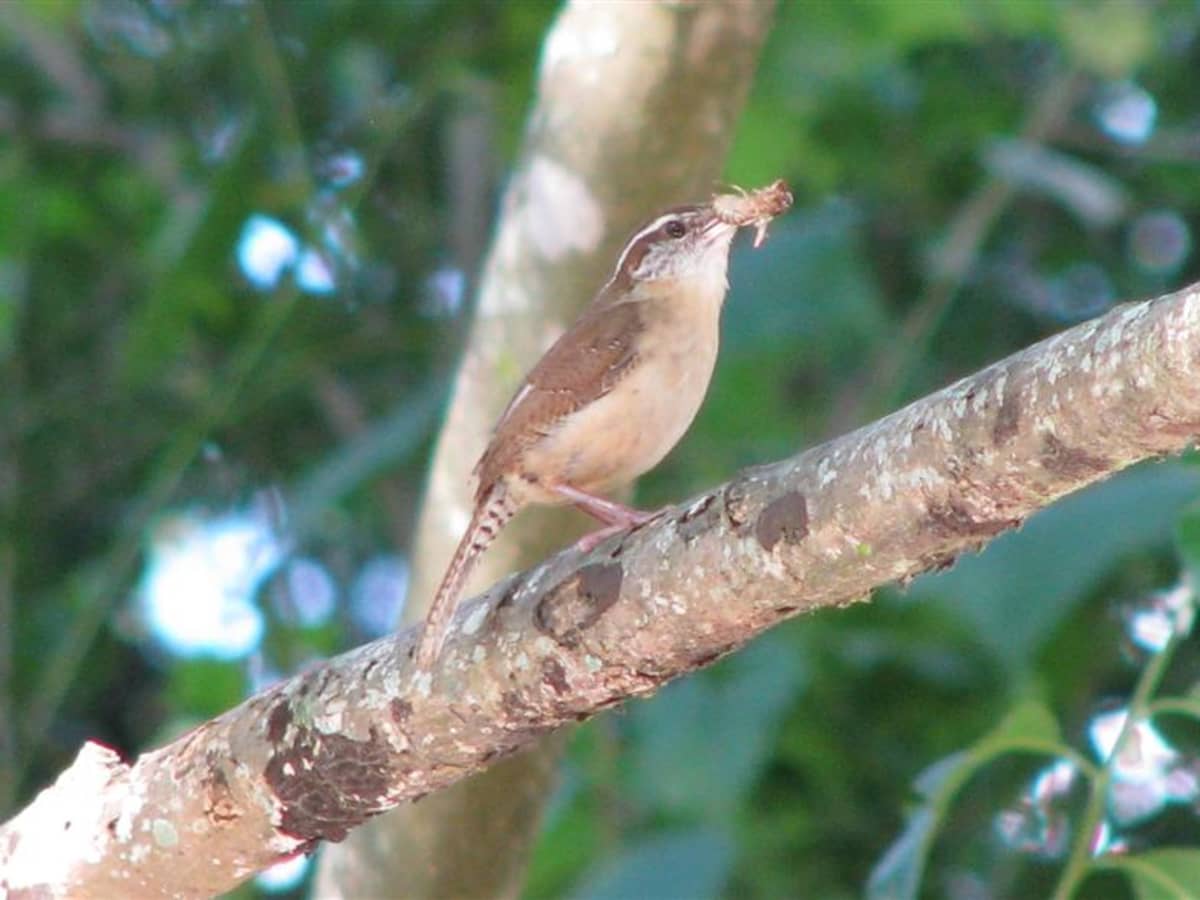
<point x="616" y="392"/>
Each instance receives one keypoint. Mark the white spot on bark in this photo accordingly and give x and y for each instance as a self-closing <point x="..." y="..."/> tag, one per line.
<point x="577" y="46"/>
<point x="164" y="833"/>
<point x="772" y="566"/>
<point x="475" y="619"/>
<point x="561" y="215"/>
<point x="422" y="683"/>
<point x="330" y="723"/>
<point x="826" y="472"/>
<point x="884" y="487"/>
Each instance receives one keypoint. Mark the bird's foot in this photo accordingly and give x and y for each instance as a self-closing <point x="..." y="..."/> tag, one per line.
<point x="617" y="517"/>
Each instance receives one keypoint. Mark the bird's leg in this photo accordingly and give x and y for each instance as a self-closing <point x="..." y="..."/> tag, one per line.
<point x="617" y="517"/>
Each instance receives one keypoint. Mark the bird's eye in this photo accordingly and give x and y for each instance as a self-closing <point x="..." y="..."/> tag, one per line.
<point x="675" y="229"/>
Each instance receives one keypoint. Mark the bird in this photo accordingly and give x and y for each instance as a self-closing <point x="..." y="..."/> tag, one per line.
<point x="615" y="393"/>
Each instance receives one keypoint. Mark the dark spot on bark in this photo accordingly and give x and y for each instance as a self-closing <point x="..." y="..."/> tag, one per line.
<point x="328" y="783"/>
<point x="708" y="657"/>
<point x="489" y="756"/>
<point x="555" y="675"/>
<point x="278" y="720"/>
<point x="370" y="668"/>
<point x="697" y="519"/>
<point x="697" y="509"/>
<point x="308" y="848"/>
<point x="1171" y="426"/>
<point x="652" y="673"/>
<point x="577" y="603"/>
<point x="785" y="519"/>
<point x="785" y="610"/>
<point x="508" y="594"/>
<point x="936" y="562"/>
<point x="737" y="496"/>
<point x="1070" y="462"/>
<point x="953" y="519"/>
<point x="1008" y="418"/>
<point x="400" y="710"/>
<point x="494" y="755"/>
<point x="511" y="703"/>
<point x="220" y="808"/>
<point x="601" y="584"/>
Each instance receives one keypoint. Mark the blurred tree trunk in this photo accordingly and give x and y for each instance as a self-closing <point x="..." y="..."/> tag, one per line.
<point x="636" y="108"/>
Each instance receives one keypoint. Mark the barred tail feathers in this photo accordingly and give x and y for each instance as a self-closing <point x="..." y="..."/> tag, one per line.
<point x="491" y="515"/>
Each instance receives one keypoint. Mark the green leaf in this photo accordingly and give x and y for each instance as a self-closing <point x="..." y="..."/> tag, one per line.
<point x="1180" y="706"/>
<point x="1172" y="873"/>
<point x="693" y="864"/>
<point x="898" y="875"/>
<point x="1028" y="727"/>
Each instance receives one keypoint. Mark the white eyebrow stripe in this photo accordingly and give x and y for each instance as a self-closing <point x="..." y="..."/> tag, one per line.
<point x="652" y="226"/>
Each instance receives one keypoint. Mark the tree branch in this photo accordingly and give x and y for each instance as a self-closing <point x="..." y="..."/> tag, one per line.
<point x="316" y="755"/>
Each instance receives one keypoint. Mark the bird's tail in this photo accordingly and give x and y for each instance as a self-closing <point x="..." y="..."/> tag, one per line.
<point x="492" y="513"/>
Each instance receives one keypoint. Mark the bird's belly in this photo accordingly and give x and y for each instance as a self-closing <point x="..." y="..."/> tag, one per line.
<point x="626" y="433"/>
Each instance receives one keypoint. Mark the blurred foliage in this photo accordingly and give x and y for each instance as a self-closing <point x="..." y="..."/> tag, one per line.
<point x="970" y="176"/>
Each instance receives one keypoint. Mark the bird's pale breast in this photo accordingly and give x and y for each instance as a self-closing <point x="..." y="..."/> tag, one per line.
<point x="627" y="432"/>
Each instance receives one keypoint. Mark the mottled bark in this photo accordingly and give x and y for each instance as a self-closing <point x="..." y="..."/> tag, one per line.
<point x="636" y="106"/>
<point x="313" y="757"/>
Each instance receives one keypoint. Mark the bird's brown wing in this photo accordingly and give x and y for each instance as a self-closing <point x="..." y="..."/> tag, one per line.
<point x="583" y="365"/>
